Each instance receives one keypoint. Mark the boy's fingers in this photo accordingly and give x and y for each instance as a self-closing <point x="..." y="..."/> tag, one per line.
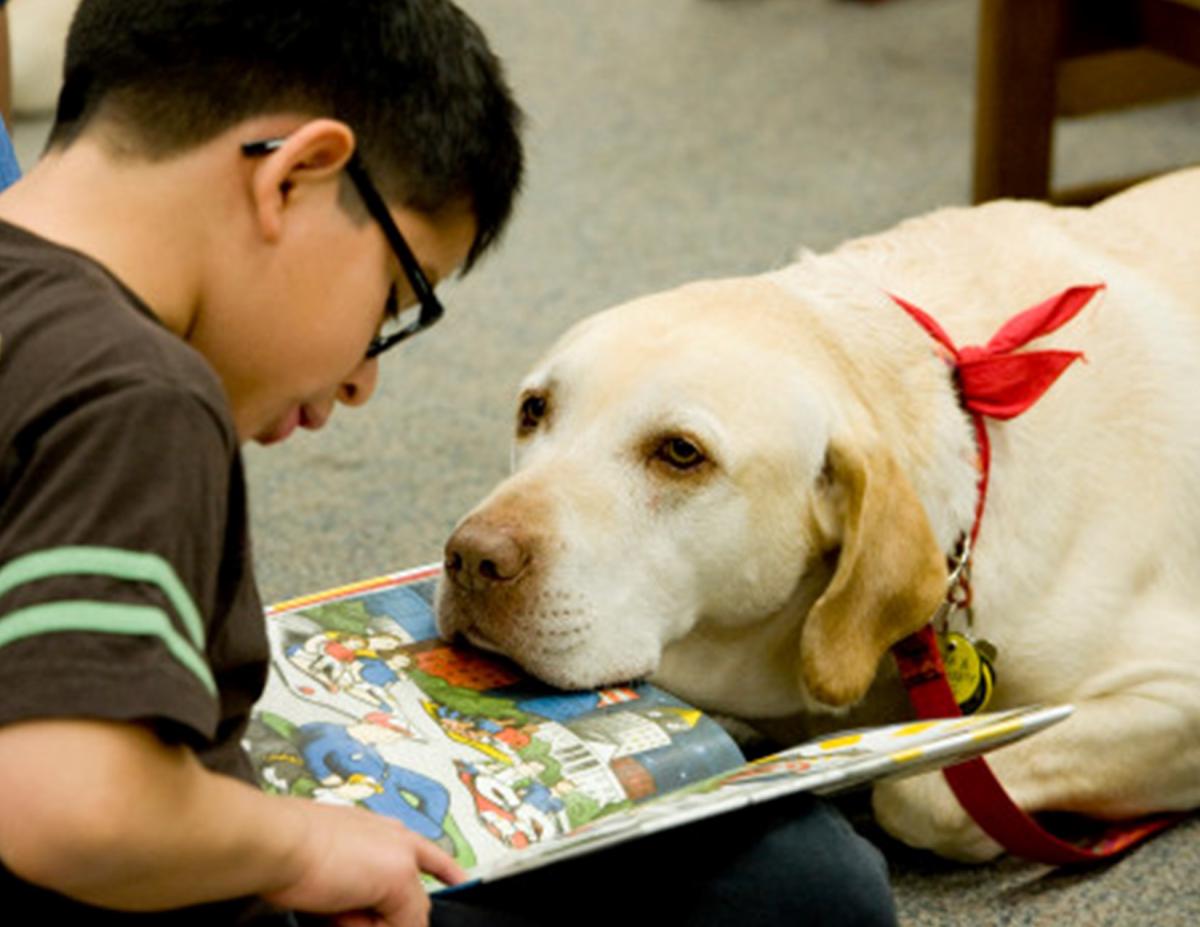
<point x="410" y="909"/>
<point x="439" y="864"/>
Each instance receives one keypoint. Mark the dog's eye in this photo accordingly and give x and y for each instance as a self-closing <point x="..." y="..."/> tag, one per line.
<point x="533" y="409"/>
<point x="680" y="453"/>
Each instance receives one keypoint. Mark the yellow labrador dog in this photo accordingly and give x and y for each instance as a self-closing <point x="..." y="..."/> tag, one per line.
<point x="746" y="490"/>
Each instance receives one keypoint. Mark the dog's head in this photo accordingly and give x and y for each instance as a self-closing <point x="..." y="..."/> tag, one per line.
<point x="698" y="496"/>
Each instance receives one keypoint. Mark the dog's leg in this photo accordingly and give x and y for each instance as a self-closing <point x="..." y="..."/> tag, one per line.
<point x="1119" y="756"/>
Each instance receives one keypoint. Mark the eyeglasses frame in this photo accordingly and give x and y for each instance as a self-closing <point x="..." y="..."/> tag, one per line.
<point x="431" y="307"/>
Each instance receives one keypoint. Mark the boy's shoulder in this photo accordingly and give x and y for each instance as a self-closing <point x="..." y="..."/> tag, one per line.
<point x="71" y="332"/>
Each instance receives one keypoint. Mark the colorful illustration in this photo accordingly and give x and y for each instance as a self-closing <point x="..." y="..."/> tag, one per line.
<point x="366" y="706"/>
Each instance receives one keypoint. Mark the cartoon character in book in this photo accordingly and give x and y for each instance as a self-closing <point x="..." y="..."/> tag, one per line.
<point x="477" y="733"/>
<point x="281" y="767"/>
<point x="506" y="735"/>
<point x="350" y="768"/>
<point x="542" y="811"/>
<point x="516" y="738"/>
<point x="493" y="805"/>
<point x="376" y="669"/>
<point x="327" y="656"/>
<point x="517" y="813"/>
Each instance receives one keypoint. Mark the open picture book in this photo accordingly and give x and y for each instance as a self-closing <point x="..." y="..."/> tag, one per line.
<point x="366" y="705"/>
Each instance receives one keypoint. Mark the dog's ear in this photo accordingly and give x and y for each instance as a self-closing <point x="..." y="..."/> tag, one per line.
<point x="890" y="576"/>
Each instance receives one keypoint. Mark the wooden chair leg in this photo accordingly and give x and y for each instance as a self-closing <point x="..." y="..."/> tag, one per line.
<point x="1015" y="97"/>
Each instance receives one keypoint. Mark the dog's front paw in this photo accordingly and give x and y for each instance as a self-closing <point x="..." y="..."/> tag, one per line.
<point x="923" y="812"/>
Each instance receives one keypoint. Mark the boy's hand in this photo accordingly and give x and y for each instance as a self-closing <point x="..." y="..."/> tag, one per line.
<point x="95" y="810"/>
<point x="362" y="867"/>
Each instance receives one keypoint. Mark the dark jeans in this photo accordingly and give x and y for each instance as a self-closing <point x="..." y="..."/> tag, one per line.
<point x="792" y="862"/>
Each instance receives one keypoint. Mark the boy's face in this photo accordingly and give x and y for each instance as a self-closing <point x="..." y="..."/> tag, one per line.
<point x="295" y="345"/>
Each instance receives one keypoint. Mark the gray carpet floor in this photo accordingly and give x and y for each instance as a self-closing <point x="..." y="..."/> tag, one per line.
<point x="671" y="140"/>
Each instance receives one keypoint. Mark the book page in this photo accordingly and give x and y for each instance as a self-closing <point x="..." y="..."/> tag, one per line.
<point x="366" y="706"/>
<point x="835" y="764"/>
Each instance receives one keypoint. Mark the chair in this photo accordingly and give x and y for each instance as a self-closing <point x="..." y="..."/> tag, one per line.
<point x="1040" y="60"/>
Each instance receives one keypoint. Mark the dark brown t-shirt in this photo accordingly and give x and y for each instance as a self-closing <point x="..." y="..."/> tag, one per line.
<point x="126" y="589"/>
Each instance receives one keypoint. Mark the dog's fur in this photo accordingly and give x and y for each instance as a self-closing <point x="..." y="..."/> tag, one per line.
<point x="770" y="577"/>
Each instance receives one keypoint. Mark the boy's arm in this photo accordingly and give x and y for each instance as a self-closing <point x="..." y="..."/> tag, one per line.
<point x="106" y="813"/>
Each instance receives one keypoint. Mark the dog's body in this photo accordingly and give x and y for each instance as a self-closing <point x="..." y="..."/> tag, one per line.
<point x="747" y="490"/>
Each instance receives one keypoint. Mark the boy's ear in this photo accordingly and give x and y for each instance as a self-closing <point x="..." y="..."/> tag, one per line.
<point x="312" y="154"/>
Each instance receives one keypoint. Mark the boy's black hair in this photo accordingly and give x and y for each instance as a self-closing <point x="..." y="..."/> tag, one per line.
<point x="434" y="119"/>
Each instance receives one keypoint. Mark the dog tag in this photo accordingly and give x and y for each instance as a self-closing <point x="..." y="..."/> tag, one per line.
<point x="987" y="652"/>
<point x="969" y="672"/>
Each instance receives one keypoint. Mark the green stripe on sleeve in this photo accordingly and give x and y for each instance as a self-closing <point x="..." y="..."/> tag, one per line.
<point x="105" y="618"/>
<point x="132" y="566"/>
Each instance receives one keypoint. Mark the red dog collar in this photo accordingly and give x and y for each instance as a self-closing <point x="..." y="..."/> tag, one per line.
<point x="993" y="381"/>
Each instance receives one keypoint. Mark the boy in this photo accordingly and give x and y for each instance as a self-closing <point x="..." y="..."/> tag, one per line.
<point x="236" y="200"/>
<point x="189" y="267"/>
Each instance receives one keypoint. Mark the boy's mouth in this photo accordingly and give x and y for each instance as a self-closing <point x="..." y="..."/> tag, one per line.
<point x="282" y="427"/>
<point x="313" y="418"/>
<point x="301" y="416"/>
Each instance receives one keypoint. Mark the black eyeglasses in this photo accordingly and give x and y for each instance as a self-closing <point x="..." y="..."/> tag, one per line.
<point x="431" y="308"/>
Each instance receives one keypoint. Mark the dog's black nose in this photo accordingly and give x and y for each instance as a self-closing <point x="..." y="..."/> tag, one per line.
<point x="480" y="555"/>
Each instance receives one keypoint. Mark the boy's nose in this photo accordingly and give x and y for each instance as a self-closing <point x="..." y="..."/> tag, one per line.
<point x="357" y="388"/>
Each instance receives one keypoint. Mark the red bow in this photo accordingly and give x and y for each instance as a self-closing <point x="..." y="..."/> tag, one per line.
<point x="995" y="382"/>
<point x="998" y="383"/>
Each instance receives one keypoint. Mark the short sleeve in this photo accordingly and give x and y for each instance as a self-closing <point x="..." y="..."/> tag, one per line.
<point x="111" y="536"/>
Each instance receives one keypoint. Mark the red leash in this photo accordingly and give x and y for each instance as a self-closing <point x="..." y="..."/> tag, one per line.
<point x="993" y="381"/>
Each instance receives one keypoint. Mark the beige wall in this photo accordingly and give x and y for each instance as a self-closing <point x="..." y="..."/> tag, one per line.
<point x="37" y="32"/>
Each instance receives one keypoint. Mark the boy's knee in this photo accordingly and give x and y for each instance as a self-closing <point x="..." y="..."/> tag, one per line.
<point x="792" y="861"/>
<point x="796" y="861"/>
